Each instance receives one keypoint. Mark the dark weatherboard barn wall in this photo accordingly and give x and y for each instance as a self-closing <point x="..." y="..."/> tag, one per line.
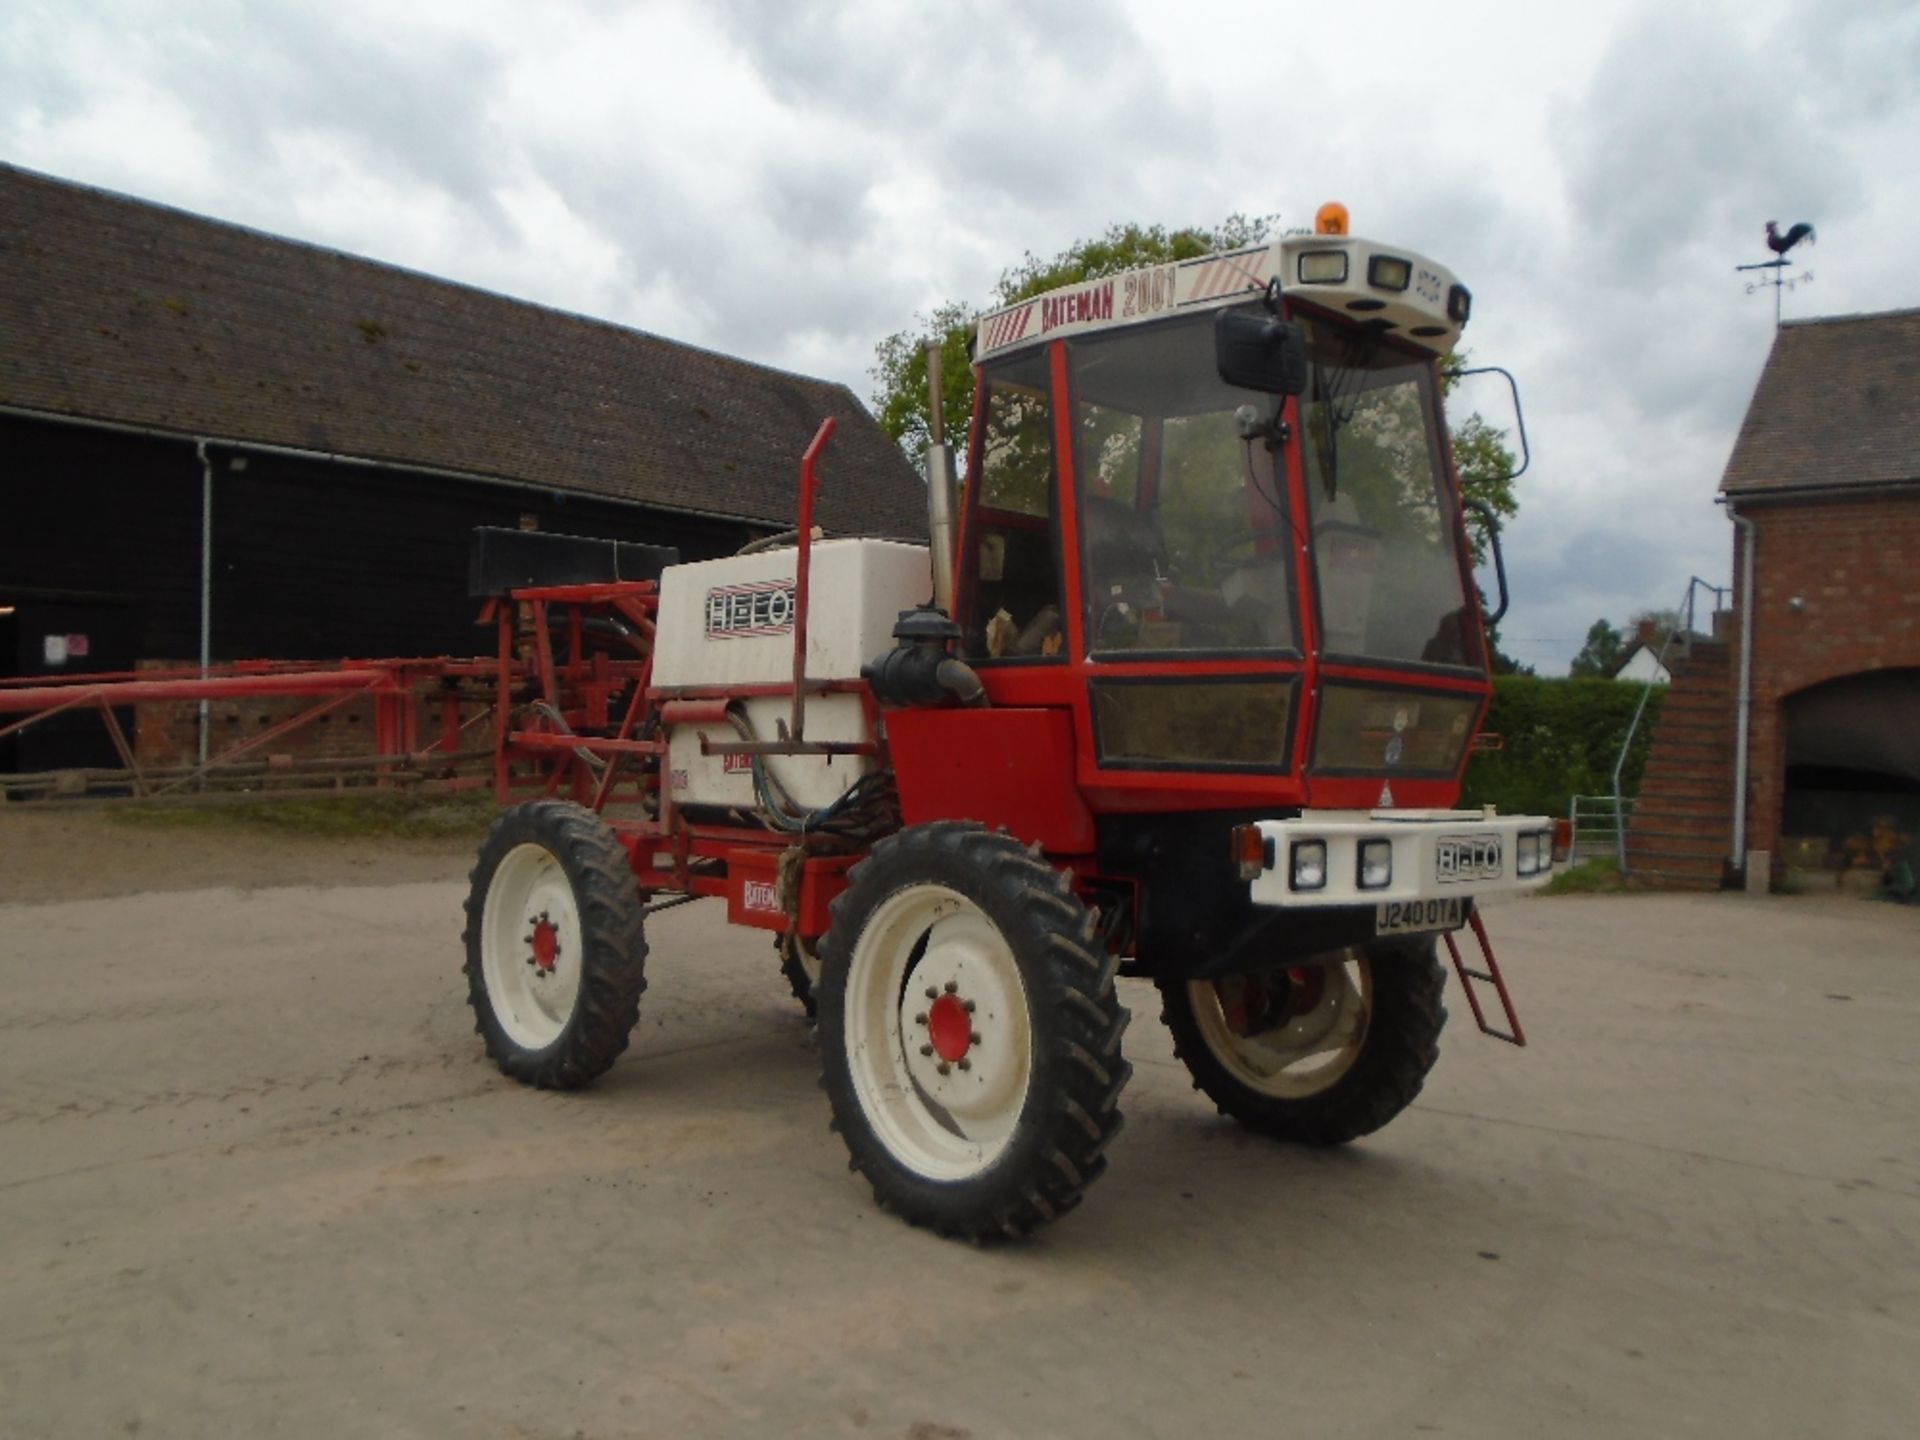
<point x="312" y="559"/>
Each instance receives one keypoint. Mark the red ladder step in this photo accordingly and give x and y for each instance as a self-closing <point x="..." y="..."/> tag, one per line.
<point x="1513" y="1034"/>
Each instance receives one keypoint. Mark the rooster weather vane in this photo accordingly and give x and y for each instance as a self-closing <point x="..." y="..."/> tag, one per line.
<point x="1778" y="280"/>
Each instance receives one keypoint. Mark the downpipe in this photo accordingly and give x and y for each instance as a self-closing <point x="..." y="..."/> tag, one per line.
<point x="1743" y="689"/>
<point x="206" y="589"/>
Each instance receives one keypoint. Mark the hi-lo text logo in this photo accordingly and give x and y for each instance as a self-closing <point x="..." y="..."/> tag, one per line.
<point x="762" y="608"/>
<point x="1466" y="857"/>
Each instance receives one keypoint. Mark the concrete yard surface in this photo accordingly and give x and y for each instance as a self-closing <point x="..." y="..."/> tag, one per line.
<point x="256" y="1179"/>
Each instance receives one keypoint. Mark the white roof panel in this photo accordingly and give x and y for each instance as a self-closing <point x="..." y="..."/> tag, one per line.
<point x="1422" y="310"/>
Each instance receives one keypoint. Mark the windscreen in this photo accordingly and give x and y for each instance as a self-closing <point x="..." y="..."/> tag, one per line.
<point x="1385" y="544"/>
<point x="1182" y="522"/>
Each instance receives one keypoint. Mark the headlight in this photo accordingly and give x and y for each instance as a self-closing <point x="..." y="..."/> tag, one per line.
<point x="1322" y="267"/>
<point x="1389" y="272"/>
<point x="1526" y="860"/>
<point x="1309" y="864"/>
<point x="1376" y="864"/>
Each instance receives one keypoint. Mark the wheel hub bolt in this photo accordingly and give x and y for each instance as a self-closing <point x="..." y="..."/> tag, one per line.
<point x="964" y="1063"/>
<point x="926" y="1049"/>
<point x="943" y="1067"/>
<point x="952" y="986"/>
<point x="967" y="1005"/>
<point x="921" y="1018"/>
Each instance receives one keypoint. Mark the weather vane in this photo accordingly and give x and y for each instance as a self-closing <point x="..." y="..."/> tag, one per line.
<point x="1778" y="280"/>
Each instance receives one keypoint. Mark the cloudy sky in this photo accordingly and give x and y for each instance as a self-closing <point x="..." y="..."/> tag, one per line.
<point x="790" y="181"/>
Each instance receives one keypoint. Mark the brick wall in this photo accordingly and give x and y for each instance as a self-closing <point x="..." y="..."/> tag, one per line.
<point x="1854" y="566"/>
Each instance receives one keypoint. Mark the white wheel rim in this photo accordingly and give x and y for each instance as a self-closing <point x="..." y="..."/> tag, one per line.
<point x="1308" y="1048"/>
<point x="947" y="1113"/>
<point x="532" y="987"/>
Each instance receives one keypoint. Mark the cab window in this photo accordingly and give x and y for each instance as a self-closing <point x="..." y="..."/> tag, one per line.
<point x="1010" y="579"/>
<point x="1183" y="523"/>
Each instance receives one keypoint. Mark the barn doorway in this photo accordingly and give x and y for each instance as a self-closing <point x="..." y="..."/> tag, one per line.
<point x="1851" y="806"/>
<point x="47" y="636"/>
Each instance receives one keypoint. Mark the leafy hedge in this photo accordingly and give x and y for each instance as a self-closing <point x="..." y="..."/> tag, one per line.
<point x="1560" y="738"/>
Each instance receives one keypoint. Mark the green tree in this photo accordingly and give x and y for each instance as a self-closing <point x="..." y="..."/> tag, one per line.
<point x="1606" y="647"/>
<point x="1560" y="738"/>
<point x="1484" y="462"/>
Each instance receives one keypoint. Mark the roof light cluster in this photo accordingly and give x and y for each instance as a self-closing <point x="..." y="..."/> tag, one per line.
<point x="1391" y="275"/>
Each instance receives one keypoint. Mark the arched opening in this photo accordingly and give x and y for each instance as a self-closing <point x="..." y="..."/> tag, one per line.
<point x="1850" y="808"/>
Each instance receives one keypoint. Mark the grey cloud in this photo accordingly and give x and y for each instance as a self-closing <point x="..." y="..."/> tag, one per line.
<point x="1043" y="105"/>
<point x="788" y="265"/>
<point x="1692" y="133"/>
<point x="1864" y="56"/>
<point x="906" y="67"/>
<point x="252" y="75"/>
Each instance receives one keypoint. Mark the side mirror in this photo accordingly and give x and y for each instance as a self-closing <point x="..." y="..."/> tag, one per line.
<point x="1257" y="352"/>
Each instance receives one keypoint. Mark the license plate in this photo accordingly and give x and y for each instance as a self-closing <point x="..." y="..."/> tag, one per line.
<point x="1400" y="917"/>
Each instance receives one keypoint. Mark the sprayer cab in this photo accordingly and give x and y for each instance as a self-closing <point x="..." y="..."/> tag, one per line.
<point x="1211" y="509"/>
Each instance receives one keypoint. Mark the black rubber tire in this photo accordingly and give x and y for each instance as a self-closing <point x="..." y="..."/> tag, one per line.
<point x="787" y="947"/>
<point x="1401" y="1044"/>
<point x="1070" y="1111"/>
<point x="612" y="945"/>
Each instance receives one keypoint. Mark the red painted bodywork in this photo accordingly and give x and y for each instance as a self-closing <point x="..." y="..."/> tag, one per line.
<point x="1005" y="767"/>
<point x="749" y="869"/>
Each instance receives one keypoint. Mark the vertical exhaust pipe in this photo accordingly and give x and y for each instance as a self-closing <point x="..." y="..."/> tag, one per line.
<point x="940" y="497"/>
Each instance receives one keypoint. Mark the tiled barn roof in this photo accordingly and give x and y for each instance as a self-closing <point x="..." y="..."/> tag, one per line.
<point x="115" y="309"/>
<point x="1838" y="405"/>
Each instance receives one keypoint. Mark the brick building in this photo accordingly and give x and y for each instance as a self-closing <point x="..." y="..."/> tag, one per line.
<point x="202" y="426"/>
<point x="1823" y="487"/>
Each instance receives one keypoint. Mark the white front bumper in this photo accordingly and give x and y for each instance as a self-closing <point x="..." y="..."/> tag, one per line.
<point x="1437" y="855"/>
